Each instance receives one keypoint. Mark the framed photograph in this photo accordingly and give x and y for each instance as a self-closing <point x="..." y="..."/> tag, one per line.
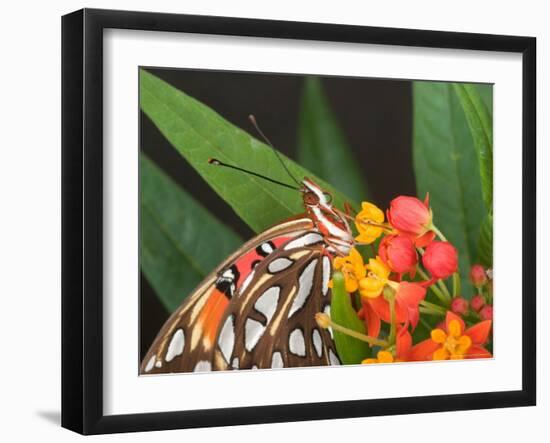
<point x="270" y="221"/>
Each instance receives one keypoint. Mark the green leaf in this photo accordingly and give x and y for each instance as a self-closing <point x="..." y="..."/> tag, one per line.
<point x="198" y="133"/>
<point x="424" y="328"/>
<point x="350" y="350"/>
<point x="322" y="147"/>
<point x="485" y="245"/>
<point x="180" y="241"/>
<point x="486" y="93"/>
<point x="446" y="166"/>
<point x="481" y="127"/>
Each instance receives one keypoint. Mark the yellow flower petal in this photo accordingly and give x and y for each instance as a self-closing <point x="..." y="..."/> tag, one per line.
<point x="371" y="212"/>
<point x="360" y="271"/>
<point x="367" y="237"/>
<point x="377" y="266"/>
<point x="338" y="262"/>
<point x="368" y="361"/>
<point x="351" y="285"/>
<point x="370" y="287"/>
<point x="463" y="345"/>
<point x="439" y="336"/>
<point x="441" y="354"/>
<point x="385" y="357"/>
<point x="455" y="328"/>
<point x="355" y="257"/>
<point x="364" y="223"/>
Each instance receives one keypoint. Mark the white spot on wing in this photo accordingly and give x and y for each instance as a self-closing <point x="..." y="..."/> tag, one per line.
<point x="158" y="364"/>
<point x="150" y="363"/>
<point x="176" y="345"/>
<point x="228" y="274"/>
<point x="267" y="248"/>
<point x="296" y="343"/>
<point x="309" y="239"/>
<point x="267" y="303"/>
<point x="305" y="283"/>
<point x="203" y="366"/>
<point x="334" y="361"/>
<point x="246" y="282"/>
<point x="326" y="274"/>
<point x="253" y="330"/>
<point x="277" y="360"/>
<point x="317" y="342"/>
<point x="279" y="264"/>
<point x="235" y="363"/>
<point x="226" y="341"/>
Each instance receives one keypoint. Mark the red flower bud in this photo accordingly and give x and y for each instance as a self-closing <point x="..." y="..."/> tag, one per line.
<point x="398" y="252"/>
<point x="459" y="305"/>
<point x="477" y="302"/>
<point x="478" y="275"/>
<point x="410" y="216"/>
<point x="440" y="259"/>
<point x="486" y="313"/>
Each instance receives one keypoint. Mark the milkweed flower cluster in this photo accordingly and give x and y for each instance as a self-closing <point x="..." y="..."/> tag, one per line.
<point x="402" y="269"/>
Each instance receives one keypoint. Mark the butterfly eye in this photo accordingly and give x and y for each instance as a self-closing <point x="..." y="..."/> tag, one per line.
<point x="311" y="199"/>
<point x="328" y="197"/>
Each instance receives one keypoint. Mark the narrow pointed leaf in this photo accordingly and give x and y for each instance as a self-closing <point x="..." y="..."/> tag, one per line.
<point x="350" y="349"/>
<point x="322" y="147"/>
<point x="180" y="241"/>
<point x="481" y="127"/>
<point x="486" y="93"/>
<point x="485" y="246"/>
<point x="446" y="166"/>
<point x="198" y="133"/>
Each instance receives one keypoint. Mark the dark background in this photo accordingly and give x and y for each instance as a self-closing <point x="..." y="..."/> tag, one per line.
<point x="375" y="116"/>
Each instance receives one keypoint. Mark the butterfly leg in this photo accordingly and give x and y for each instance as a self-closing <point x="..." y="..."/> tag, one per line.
<point x="335" y="249"/>
<point x="349" y="209"/>
<point x="348" y="212"/>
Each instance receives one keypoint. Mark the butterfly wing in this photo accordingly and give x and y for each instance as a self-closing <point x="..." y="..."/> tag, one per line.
<point x="186" y="341"/>
<point x="271" y="323"/>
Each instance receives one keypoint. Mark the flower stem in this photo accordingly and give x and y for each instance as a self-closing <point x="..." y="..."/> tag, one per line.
<point x="444" y="289"/>
<point x="358" y="335"/>
<point x="435" y="309"/>
<point x="427" y="311"/>
<point x="456" y="284"/>
<point x="444" y="298"/>
<point x="438" y="232"/>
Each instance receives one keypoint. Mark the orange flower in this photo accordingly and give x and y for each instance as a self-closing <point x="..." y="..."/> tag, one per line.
<point x="440" y="259"/>
<point x="402" y="347"/>
<point x="454" y="342"/>
<point x="381" y="357"/>
<point x="352" y="267"/>
<point x="375" y="306"/>
<point x="407" y="298"/>
<point x="413" y="218"/>
<point x="399" y="253"/>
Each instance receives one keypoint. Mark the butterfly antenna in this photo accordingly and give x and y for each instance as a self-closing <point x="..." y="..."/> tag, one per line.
<point x="216" y="162"/>
<point x="255" y="124"/>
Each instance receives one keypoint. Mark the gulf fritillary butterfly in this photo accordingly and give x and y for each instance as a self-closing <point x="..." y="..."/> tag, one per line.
<point x="257" y="309"/>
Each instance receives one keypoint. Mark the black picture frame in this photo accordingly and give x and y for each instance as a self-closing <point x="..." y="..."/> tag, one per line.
<point x="82" y="220"/>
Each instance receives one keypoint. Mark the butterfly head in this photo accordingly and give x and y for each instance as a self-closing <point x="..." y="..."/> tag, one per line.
<point x="329" y="221"/>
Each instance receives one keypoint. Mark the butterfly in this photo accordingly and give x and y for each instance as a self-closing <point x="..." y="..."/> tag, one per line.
<point x="257" y="309"/>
